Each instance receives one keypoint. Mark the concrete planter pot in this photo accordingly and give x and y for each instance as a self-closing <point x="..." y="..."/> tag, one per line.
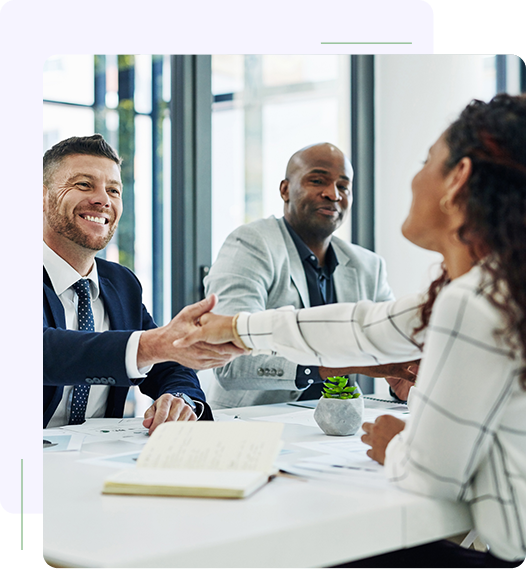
<point x="341" y="417"/>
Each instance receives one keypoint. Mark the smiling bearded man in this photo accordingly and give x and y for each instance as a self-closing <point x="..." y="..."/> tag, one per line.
<point x="99" y="339"/>
<point x="79" y="172"/>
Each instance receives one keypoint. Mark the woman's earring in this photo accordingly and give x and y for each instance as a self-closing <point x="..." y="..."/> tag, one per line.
<point x="445" y="205"/>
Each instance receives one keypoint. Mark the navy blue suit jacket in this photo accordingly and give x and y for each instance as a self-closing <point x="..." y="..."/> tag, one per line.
<point x="73" y="357"/>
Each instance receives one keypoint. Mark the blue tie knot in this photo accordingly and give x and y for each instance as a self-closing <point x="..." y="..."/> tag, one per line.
<point x="82" y="288"/>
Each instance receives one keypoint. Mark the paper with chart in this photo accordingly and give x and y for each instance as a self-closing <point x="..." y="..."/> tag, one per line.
<point x="56" y="440"/>
<point x="129" y="430"/>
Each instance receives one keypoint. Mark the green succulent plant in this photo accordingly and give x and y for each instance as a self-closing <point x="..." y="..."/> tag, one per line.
<point x="337" y="388"/>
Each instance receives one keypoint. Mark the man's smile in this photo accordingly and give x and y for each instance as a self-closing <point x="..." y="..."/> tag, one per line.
<point x="95" y="219"/>
<point x="329" y="211"/>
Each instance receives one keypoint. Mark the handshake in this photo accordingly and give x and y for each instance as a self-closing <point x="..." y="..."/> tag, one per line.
<point x="199" y="339"/>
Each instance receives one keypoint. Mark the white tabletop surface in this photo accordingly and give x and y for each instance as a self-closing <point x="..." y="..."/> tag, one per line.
<point x="290" y="522"/>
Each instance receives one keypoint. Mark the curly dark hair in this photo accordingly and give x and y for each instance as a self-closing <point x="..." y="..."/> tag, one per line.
<point x="493" y="136"/>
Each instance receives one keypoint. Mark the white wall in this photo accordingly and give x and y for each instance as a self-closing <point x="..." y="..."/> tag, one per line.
<point x="416" y="98"/>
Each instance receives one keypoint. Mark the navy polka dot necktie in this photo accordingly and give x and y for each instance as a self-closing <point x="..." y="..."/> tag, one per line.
<point x="79" y="400"/>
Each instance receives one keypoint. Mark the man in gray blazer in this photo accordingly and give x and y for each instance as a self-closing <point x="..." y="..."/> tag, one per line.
<point x="295" y="260"/>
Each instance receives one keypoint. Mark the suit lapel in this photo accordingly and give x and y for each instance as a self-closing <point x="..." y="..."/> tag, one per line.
<point x="297" y="274"/>
<point x="55" y="306"/>
<point x="345" y="278"/>
<point x="112" y="304"/>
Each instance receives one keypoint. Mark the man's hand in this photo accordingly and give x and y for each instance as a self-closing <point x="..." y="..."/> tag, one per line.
<point x="213" y="329"/>
<point x="167" y="408"/>
<point x="400" y="387"/>
<point x="404" y="370"/>
<point x="379" y="434"/>
<point x="170" y="342"/>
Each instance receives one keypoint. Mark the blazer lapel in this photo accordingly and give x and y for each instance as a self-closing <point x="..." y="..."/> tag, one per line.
<point x="345" y="278"/>
<point x="297" y="274"/>
<point x="55" y="306"/>
<point x="112" y="304"/>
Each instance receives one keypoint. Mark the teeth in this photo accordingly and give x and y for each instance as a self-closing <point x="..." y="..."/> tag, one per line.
<point x="100" y="220"/>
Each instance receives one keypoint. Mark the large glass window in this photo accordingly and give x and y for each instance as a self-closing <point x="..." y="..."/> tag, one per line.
<point x="123" y="98"/>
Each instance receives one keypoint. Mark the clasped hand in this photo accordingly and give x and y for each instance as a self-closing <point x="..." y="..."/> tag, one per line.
<point x="185" y="341"/>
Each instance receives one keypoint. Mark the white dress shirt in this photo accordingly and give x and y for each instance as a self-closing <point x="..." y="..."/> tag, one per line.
<point x="63" y="276"/>
<point x="465" y="438"/>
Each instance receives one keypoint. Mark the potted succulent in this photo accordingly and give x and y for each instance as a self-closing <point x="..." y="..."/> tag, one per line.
<point x="340" y="408"/>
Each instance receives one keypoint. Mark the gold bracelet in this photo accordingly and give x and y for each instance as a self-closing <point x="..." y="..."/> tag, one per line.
<point x="237" y="337"/>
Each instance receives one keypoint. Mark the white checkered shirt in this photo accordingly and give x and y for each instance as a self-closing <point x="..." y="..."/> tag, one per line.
<point x="466" y="435"/>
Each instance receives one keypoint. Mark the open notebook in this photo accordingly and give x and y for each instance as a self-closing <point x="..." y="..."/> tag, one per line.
<point x="205" y="459"/>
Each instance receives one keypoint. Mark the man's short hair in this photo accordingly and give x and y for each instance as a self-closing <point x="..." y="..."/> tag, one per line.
<point x="94" y="145"/>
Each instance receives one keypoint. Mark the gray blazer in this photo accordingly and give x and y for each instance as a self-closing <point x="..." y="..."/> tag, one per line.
<point x="258" y="267"/>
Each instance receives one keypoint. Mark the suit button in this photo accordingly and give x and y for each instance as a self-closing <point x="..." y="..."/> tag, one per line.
<point x="280" y="372"/>
<point x="272" y="372"/>
<point x="261" y="371"/>
<point x="307" y="371"/>
<point x="111" y="381"/>
<point x="104" y="381"/>
<point x="88" y="380"/>
<point x="267" y="371"/>
<point x="96" y="380"/>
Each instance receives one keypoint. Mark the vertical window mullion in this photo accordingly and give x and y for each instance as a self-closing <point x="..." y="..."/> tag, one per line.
<point x="157" y="188"/>
<point x="126" y="112"/>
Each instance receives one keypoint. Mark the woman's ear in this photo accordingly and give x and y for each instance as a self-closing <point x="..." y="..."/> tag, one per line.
<point x="458" y="177"/>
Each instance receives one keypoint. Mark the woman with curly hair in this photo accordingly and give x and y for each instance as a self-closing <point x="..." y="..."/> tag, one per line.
<point x="465" y="439"/>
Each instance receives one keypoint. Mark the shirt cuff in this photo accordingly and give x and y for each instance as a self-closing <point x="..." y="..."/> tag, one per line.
<point x="132" y="348"/>
<point x="306" y="376"/>
<point x="262" y="336"/>
<point x="200" y="408"/>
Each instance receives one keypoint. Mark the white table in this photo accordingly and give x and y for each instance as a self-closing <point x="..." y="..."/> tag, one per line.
<point x="288" y="523"/>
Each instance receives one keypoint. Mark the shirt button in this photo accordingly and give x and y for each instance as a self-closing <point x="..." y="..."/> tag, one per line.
<point x="307" y="371"/>
<point x="310" y="381"/>
<point x="312" y="258"/>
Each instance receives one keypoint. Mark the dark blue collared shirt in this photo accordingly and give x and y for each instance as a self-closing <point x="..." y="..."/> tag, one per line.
<point x="320" y="284"/>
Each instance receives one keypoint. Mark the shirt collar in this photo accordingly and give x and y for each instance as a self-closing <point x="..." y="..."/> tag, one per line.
<point x="63" y="275"/>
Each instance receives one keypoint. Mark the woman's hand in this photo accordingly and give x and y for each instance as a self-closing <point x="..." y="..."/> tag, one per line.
<point x="211" y="329"/>
<point x="379" y="434"/>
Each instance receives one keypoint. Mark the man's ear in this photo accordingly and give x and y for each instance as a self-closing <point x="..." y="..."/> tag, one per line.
<point x="284" y="190"/>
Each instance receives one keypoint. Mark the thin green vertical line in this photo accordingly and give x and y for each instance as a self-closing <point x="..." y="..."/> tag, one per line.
<point x="22" y="504"/>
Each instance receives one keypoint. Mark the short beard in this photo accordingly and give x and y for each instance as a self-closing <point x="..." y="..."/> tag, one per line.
<point x="67" y="228"/>
<point x="320" y="231"/>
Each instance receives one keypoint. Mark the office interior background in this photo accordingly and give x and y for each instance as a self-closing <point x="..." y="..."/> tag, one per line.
<point x="205" y="141"/>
